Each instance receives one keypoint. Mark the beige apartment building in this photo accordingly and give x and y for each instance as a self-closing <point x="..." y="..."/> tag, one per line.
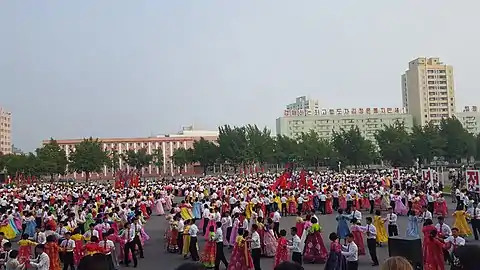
<point x="303" y="103"/>
<point x="326" y="121"/>
<point x="470" y="119"/>
<point x="5" y="131"/>
<point x="428" y="91"/>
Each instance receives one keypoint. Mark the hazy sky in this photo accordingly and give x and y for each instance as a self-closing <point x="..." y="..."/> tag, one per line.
<point x="72" y="69"/>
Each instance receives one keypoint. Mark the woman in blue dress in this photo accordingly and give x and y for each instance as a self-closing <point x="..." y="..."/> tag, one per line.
<point x="30" y="225"/>
<point x="197" y="209"/>
<point x="412" y="225"/>
<point x="342" y="227"/>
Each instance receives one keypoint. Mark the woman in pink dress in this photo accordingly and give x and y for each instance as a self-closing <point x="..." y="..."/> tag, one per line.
<point x="158" y="207"/>
<point x="241" y="258"/>
<point x="441" y="208"/>
<point x="400" y="208"/>
<point x="299" y="225"/>
<point x="357" y="232"/>
<point x="269" y="240"/>
<point x="315" y="251"/>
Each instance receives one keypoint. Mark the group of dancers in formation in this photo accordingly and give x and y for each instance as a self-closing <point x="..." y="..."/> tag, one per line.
<point x="61" y="224"/>
<point x="238" y="214"/>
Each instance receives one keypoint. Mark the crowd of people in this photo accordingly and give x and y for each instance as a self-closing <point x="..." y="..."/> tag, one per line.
<point x="57" y="225"/>
<point x="244" y="214"/>
<point x="48" y="226"/>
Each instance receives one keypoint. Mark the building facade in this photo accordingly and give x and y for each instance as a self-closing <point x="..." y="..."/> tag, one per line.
<point x="5" y="131"/>
<point x="326" y="121"/>
<point x="470" y="119"/>
<point x="303" y="103"/>
<point x="428" y="91"/>
<point x="166" y="143"/>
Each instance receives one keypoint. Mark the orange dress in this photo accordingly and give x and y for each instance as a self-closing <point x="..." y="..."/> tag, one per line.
<point x="52" y="250"/>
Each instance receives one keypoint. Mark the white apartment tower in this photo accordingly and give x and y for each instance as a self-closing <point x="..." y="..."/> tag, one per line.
<point x="5" y="132"/>
<point x="428" y="91"/>
<point x="303" y="103"/>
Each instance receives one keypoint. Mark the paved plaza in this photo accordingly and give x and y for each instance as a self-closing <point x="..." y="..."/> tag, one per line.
<point x="156" y="256"/>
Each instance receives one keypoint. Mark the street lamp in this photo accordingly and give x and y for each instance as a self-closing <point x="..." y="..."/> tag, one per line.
<point x="339" y="166"/>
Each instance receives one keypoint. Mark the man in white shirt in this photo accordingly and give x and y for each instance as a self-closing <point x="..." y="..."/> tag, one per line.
<point x="295" y="246"/>
<point x="129" y="235"/>
<point x="219" y="255"/>
<point x="475" y="220"/>
<point x="442" y="228"/>
<point x="350" y="251"/>
<point x="452" y="242"/>
<point x="206" y="218"/>
<point x="276" y="222"/>
<point x="193" y="231"/>
<point x="371" y="232"/>
<point x="181" y="227"/>
<point x="43" y="261"/>
<point x="68" y="245"/>
<point x="392" y="222"/>
<point x="425" y="214"/>
<point x="255" y="246"/>
<point x="323" y="199"/>
<point x="283" y="199"/>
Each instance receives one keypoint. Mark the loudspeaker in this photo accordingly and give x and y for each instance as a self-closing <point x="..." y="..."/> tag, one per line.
<point x="2" y="178"/>
<point x="410" y="248"/>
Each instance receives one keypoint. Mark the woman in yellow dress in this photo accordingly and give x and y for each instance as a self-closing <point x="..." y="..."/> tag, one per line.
<point x="7" y="228"/>
<point x="278" y="202"/>
<point x="379" y="223"/>
<point x="186" y="239"/>
<point x="460" y="222"/>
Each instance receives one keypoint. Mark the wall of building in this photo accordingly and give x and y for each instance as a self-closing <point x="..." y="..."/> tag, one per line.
<point x="5" y="131"/>
<point x="166" y="144"/>
<point x="324" y="125"/>
<point x="470" y="119"/>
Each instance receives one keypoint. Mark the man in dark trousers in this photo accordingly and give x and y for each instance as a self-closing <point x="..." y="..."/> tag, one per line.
<point x="219" y="255"/>
<point x="255" y="245"/>
<point x="372" y="240"/>
<point x="193" y="232"/>
<point x="138" y="231"/>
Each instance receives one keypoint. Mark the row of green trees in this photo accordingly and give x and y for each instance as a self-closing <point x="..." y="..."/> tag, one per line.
<point x="248" y="145"/>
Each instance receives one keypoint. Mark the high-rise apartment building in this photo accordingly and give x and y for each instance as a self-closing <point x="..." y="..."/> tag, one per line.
<point x="5" y="132"/>
<point x="303" y="103"/>
<point x="428" y="91"/>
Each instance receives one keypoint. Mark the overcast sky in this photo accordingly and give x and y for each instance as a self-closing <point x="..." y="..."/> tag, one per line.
<point x="72" y="69"/>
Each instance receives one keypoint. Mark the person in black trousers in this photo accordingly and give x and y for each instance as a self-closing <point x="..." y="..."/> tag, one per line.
<point x="136" y="240"/>
<point x="129" y="236"/>
<point x="255" y="245"/>
<point x="372" y="241"/>
<point x="193" y="241"/>
<point x="219" y="255"/>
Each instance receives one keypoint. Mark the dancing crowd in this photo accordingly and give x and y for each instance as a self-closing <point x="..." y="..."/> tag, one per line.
<point x="61" y="224"/>
<point x="244" y="214"/>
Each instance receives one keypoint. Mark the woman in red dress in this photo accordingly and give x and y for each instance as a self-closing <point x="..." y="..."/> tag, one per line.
<point x="241" y="258"/>
<point x="78" y="251"/>
<point x="282" y="250"/>
<point x="92" y="247"/>
<point x="432" y="249"/>
<point x="52" y="250"/>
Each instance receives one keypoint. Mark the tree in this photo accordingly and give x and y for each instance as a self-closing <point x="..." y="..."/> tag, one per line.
<point x="458" y="143"/>
<point x="313" y="149"/>
<point x="205" y="152"/>
<point x="285" y="150"/>
<point x="88" y="157"/>
<point x="157" y="159"/>
<point x="426" y="143"/>
<point x="52" y="159"/>
<point x="138" y="159"/>
<point x="353" y="148"/>
<point x="394" y="144"/>
<point x="260" y="145"/>
<point x="233" y="145"/>
<point x="182" y="157"/>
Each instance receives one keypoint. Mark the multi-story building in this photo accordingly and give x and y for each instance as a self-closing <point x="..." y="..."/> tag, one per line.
<point x="470" y="119"/>
<point x="303" y="103"/>
<point x="428" y="91"/>
<point x="166" y="143"/>
<point x="5" y="131"/>
<point x="326" y="121"/>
